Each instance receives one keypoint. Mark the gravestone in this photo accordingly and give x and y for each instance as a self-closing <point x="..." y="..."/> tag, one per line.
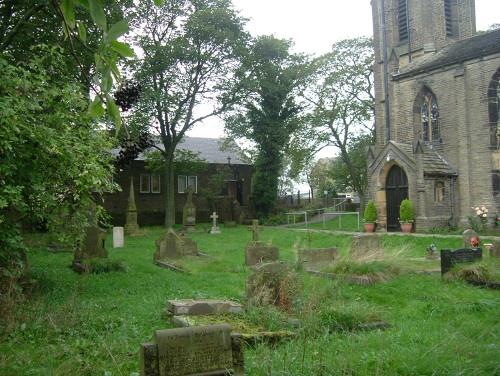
<point x="257" y="251"/>
<point x="131" y="226"/>
<point x="467" y="236"/>
<point x="192" y="307"/>
<point x="118" y="238"/>
<point x="495" y="249"/>
<point x="215" y="229"/>
<point x="92" y="246"/>
<point x="272" y="283"/>
<point x="317" y="258"/>
<point x="201" y="351"/>
<point x="450" y="258"/>
<point x="189" y="212"/>
<point x="366" y="247"/>
<point x="172" y="246"/>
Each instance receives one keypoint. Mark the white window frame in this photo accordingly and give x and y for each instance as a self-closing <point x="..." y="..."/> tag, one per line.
<point x="185" y="179"/>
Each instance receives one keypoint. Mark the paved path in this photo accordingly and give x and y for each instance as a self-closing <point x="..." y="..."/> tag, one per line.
<point x="452" y="236"/>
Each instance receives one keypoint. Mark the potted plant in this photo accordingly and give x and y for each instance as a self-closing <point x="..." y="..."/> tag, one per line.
<point x="406" y="215"/>
<point x="370" y="216"/>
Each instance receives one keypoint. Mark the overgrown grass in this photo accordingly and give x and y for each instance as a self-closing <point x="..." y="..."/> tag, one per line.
<point x="92" y="324"/>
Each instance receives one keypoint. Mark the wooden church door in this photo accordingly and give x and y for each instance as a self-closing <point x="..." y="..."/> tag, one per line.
<point x="396" y="189"/>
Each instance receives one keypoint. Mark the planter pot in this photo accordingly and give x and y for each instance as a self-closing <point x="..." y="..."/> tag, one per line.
<point x="369" y="227"/>
<point x="406" y="227"/>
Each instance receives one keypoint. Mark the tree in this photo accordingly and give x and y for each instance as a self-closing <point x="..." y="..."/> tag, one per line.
<point x="190" y="54"/>
<point x="269" y="116"/>
<point x="342" y="102"/>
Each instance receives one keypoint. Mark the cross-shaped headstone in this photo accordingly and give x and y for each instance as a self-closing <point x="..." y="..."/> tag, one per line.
<point x="255" y="228"/>
<point x="214" y="217"/>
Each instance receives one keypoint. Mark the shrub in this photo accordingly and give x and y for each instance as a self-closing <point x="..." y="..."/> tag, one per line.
<point x="406" y="211"/>
<point x="370" y="214"/>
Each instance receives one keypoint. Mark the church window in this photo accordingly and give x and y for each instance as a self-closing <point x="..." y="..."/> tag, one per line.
<point x="439" y="191"/>
<point x="402" y="20"/>
<point x="430" y="118"/>
<point x="494" y="109"/>
<point x="448" y="17"/>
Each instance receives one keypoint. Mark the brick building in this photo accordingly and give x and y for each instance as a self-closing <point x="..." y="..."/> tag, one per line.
<point x="149" y="187"/>
<point x="437" y="112"/>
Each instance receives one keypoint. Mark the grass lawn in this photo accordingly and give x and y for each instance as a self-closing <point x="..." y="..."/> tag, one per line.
<point x="93" y="324"/>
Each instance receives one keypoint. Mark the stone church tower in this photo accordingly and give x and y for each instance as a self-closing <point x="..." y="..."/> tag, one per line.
<point x="437" y="111"/>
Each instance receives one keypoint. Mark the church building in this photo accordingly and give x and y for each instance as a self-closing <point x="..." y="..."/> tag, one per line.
<point x="437" y="90"/>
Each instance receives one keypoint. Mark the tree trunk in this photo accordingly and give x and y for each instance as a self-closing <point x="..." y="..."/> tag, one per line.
<point x="169" y="191"/>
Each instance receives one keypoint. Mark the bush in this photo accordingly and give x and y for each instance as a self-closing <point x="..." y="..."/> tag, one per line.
<point x="370" y="214"/>
<point x="406" y="211"/>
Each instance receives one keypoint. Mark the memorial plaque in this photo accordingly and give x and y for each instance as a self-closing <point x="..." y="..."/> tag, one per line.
<point x="450" y="258"/>
<point x="203" y="350"/>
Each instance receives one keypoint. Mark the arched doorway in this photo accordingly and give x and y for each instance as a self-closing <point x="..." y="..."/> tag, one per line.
<point x="396" y="188"/>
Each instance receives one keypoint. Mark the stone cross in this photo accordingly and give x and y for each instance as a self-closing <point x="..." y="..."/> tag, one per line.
<point x="255" y="228"/>
<point x="214" y="217"/>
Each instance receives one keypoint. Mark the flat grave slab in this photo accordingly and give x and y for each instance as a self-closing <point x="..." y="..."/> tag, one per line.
<point x="192" y="307"/>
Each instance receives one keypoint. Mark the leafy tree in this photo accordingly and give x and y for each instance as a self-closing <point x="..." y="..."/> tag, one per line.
<point x="342" y="103"/>
<point x="270" y="114"/>
<point x="320" y="177"/>
<point x="52" y="156"/>
<point x="190" y="54"/>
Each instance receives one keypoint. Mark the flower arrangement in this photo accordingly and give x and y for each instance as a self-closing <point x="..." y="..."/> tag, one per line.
<point x="480" y="219"/>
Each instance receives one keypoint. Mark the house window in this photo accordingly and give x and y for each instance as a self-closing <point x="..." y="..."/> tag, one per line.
<point x="430" y="118"/>
<point x="145" y="183"/>
<point x="184" y="181"/>
<point x="439" y="191"/>
<point x="402" y="20"/>
<point x="149" y="183"/>
<point x="155" y="183"/>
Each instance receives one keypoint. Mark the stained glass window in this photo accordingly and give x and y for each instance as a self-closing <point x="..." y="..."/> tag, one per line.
<point x="430" y="118"/>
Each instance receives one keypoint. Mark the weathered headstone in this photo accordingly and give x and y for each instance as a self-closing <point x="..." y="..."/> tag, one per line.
<point x="272" y="284"/>
<point x="467" y="236"/>
<point x="189" y="212"/>
<point x="191" y="307"/>
<point x="495" y="249"/>
<point x="118" y="237"/>
<point x="92" y="246"/>
<point x="255" y="228"/>
<point x="131" y="226"/>
<point x="257" y="251"/>
<point x="172" y="246"/>
<point x="215" y="229"/>
<point x="450" y="258"/>
<point x="317" y="258"/>
<point x="366" y="247"/>
<point x="201" y="351"/>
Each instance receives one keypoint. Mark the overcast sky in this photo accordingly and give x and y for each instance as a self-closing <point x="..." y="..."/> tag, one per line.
<point x="315" y="25"/>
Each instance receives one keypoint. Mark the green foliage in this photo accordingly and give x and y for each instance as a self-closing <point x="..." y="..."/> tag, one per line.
<point x="370" y="214"/>
<point x="406" y="211"/>
<point x="100" y="265"/>
<point x="269" y="115"/>
<point x="188" y="71"/>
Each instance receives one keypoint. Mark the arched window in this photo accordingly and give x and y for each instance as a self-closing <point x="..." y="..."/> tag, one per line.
<point x="429" y="112"/>
<point x="494" y="109"/>
<point x="439" y="191"/>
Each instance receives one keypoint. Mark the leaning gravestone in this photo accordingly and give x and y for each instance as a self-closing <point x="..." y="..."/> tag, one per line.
<point x="317" y="258"/>
<point x="467" y="236"/>
<point x="172" y="246"/>
<point x="202" y="351"/>
<point x="118" y="238"/>
<point x="366" y="247"/>
<point x="189" y="212"/>
<point x="257" y="251"/>
<point x="273" y="283"/>
<point x="450" y="258"/>
<point x="131" y="226"/>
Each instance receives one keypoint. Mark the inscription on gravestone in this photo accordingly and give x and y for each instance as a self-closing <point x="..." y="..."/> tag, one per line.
<point x="450" y="258"/>
<point x="201" y="350"/>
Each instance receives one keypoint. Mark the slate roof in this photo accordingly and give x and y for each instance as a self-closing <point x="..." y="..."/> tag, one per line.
<point x="209" y="149"/>
<point x="463" y="50"/>
<point x="433" y="162"/>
